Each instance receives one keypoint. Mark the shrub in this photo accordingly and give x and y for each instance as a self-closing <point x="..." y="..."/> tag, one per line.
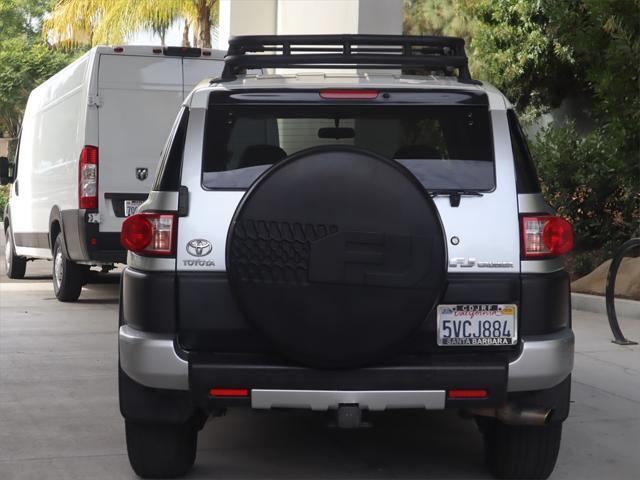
<point x="593" y="181"/>
<point x="4" y="198"/>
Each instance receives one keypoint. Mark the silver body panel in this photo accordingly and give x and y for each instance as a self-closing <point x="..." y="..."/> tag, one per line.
<point x="151" y="360"/>
<point x="331" y="399"/>
<point x="544" y="362"/>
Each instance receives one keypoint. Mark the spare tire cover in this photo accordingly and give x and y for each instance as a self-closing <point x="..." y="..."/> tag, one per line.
<point x="337" y="255"/>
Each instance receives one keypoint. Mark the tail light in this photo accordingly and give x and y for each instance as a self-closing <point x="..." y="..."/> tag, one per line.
<point x="349" y="94"/>
<point x="88" y="178"/>
<point x="455" y="394"/>
<point x="545" y="236"/>
<point x="229" y="392"/>
<point x="149" y="233"/>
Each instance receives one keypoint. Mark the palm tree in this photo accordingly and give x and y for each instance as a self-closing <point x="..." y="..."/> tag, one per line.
<point x="111" y="21"/>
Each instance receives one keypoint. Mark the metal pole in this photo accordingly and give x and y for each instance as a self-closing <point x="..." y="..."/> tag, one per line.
<point x="619" y="337"/>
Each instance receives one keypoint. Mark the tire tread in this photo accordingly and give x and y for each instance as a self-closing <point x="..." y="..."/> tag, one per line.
<point x="18" y="265"/>
<point x="161" y="450"/>
<point x="522" y="452"/>
<point x="73" y="276"/>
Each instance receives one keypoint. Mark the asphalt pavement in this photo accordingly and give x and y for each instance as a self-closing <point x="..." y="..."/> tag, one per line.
<point x="59" y="415"/>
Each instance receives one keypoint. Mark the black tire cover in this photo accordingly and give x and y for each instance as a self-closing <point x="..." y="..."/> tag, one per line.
<point x="337" y="255"/>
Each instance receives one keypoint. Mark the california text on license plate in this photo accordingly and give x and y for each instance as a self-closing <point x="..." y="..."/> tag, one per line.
<point x="130" y="207"/>
<point x="477" y="325"/>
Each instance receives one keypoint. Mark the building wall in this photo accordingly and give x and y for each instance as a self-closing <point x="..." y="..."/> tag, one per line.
<point x="265" y="17"/>
<point x="4" y="147"/>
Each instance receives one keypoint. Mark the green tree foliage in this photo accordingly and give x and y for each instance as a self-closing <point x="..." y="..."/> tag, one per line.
<point x="590" y="180"/>
<point x="93" y="22"/>
<point x="539" y="52"/>
<point x="442" y="17"/>
<point x="25" y="60"/>
<point x="516" y="50"/>
<point x="594" y="179"/>
<point x="23" y="66"/>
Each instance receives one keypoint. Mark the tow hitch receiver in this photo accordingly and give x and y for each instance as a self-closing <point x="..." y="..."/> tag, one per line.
<point x="349" y="415"/>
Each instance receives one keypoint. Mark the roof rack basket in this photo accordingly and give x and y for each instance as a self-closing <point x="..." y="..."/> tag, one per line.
<point x="427" y="54"/>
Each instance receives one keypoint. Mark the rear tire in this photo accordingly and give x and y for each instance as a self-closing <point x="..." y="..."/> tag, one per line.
<point x="521" y="452"/>
<point x="68" y="276"/>
<point x="15" y="265"/>
<point x="161" y="450"/>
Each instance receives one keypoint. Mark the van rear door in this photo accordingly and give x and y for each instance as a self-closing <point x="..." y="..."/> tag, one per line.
<point x="139" y="97"/>
<point x="195" y="69"/>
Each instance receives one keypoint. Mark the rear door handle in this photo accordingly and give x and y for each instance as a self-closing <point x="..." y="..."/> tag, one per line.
<point x="15" y="185"/>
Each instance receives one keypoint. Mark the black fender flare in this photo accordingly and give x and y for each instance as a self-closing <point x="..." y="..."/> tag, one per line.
<point x="56" y="216"/>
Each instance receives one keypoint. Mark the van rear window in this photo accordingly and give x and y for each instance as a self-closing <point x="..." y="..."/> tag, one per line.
<point x="444" y="147"/>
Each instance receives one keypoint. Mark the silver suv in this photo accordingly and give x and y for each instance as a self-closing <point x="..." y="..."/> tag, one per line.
<point x="346" y="242"/>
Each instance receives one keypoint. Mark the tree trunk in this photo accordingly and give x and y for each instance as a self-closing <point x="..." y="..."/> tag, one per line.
<point x="163" y="34"/>
<point x="204" y="23"/>
<point x="185" y="34"/>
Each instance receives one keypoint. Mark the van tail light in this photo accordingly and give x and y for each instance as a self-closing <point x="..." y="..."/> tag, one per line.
<point x="88" y="178"/>
<point x="149" y="234"/>
<point x="545" y="236"/>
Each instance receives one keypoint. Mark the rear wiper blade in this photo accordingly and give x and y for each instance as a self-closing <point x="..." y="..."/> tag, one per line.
<point x="455" y="195"/>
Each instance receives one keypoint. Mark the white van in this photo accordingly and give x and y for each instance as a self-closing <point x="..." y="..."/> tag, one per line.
<point x="91" y="139"/>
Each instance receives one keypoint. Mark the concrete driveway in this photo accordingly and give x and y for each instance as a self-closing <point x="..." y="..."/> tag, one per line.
<point x="59" y="415"/>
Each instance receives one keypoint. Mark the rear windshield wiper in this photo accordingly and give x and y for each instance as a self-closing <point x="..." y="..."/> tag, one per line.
<point x="455" y="195"/>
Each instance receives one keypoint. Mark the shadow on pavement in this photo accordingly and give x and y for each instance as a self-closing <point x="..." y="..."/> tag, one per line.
<point x="303" y="445"/>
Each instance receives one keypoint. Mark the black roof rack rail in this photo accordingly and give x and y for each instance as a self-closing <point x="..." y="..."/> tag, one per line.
<point x="346" y="51"/>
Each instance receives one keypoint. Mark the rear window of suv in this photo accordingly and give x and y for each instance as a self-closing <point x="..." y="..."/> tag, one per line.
<point x="445" y="147"/>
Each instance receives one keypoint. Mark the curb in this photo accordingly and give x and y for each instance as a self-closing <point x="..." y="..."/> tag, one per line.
<point x="596" y="304"/>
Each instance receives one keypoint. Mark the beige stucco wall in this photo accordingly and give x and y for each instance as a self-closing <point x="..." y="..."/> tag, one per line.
<point x="4" y="147"/>
<point x="264" y="17"/>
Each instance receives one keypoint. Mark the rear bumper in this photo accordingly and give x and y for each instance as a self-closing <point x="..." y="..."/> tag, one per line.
<point x="84" y="242"/>
<point x="152" y="360"/>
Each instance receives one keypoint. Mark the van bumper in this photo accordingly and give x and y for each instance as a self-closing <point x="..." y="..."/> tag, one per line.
<point x="84" y="242"/>
<point x="153" y="360"/>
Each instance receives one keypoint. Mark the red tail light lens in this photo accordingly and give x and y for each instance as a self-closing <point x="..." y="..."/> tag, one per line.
<point x="88" y="178"/>
<point x="349" y="94"/>
<point x="546" y="236"/>
<point x="229" y="392"/>
<point x="149" y="233"/>
<point x="468" y="394"/>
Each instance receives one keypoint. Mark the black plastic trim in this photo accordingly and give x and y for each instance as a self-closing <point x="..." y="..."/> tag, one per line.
<point x="182" y="51"/>
<point x="126" y="196"/>
<point x="545" y="303"/>
<point x="200" y="308"/>
<point x="149" y="300"/>
<point x="210" y="319"/>
<point x="557" y="398"/>
<point x="345" y="51"/>
<point x="411" y="373"/>
<point x="390" y="96"/>
<point x="145" y="404"/>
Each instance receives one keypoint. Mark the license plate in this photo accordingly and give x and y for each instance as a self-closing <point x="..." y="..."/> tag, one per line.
<point x="130" y="207"/>
<point x="477" y="325"/>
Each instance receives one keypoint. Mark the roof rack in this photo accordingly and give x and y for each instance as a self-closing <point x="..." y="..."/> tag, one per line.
<point x="428" y="54"/>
